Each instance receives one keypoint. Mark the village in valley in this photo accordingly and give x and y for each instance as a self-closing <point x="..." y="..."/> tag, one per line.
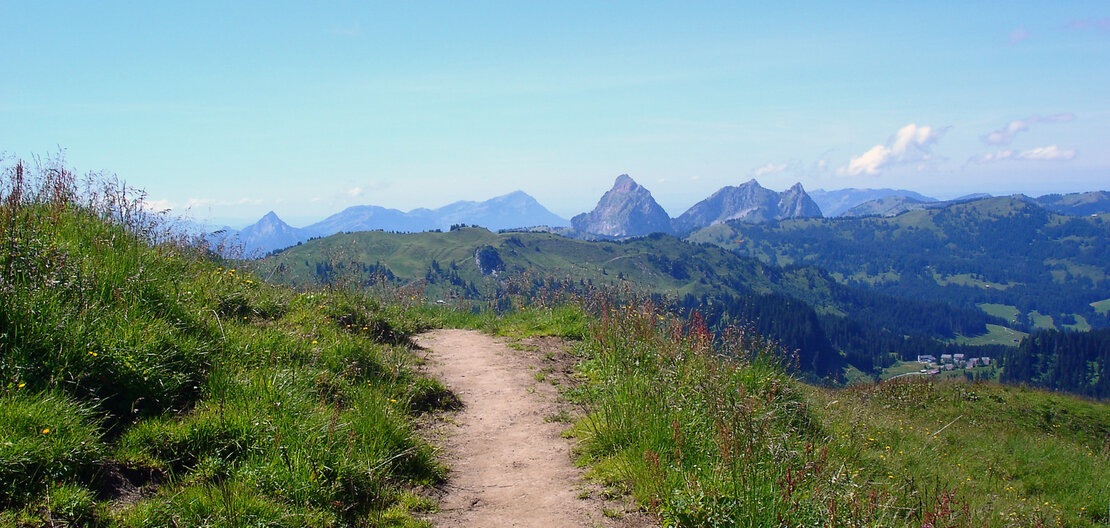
<point x="950" y="362"/>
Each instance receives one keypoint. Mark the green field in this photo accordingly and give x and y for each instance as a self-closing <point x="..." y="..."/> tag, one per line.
<point x="1102" y="306"/>
<point x="997" y="335"/>
<point x="901" y="368"/>
<point x="1042" y="321"/>
<point x="1081" y="324"/>
<point x="1002" y="311"/>
<point x="967" y="279"/>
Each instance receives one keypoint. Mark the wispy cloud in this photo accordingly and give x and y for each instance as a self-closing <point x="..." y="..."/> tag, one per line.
<point x="910" y="143"/>
<point x="769" y="168"/>
<point x="1006" y="134"/>
<point x="208" y="202"/>
<point x="1018" y="35"/>
<point x="1049" y="153"/>
<point x="1101" y="25"/>
<point x="347" y="31"/>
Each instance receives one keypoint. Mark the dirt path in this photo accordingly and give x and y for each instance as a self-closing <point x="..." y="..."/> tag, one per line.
<point x="510" y="466"/>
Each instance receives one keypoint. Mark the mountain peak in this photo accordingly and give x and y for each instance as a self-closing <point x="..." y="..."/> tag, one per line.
<point x="628" y="209"/>
<point x="749" y="202"/>
<point x="625" y="182"/>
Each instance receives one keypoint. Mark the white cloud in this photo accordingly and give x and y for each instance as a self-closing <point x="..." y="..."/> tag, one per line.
<point x="997" y="156"/>
<point x="769" y="169"/>
<point x="910" y="143"/>
<point x="1049" y="153"/>
<point x="1005" y="135"/>
<point x="867" y="163"/>
<point x="354" y="192"/>
<point x="157" y="206"/>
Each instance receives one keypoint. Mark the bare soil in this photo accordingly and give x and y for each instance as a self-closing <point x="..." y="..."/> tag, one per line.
<point x="510" y="465"/>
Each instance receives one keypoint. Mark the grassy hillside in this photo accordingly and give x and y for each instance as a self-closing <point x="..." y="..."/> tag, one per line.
<point x="803" y="307"/>
<point x="997" y="251"/>
<point x="714" y="433"/>
<point x="146" y="384"/>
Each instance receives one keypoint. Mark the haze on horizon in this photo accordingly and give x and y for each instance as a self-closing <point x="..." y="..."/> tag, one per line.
<point x="230" y="111"/>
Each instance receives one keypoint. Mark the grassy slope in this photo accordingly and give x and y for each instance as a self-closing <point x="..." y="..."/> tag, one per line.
<point x="639" y="261"/>
<point x="659" y="264"/>
<point x="706" y="441"/>
<point x="996" y="335"/>
<point x="233" y="402"/>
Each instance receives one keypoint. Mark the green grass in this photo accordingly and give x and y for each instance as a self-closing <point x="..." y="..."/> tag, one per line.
<point x="901" y="368"/>
<point x="711" y="434"/>
<point x="236" y="402"/>
<point x="968" y="279"/>
<point x="1081" y="324"/>
<point x="1042" y="321"/>
<point x="1102" y="307"/>
<point x="1005" y="312"/>
<point x="996" y="335"/>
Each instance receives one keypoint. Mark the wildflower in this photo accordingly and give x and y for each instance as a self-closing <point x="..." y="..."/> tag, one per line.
<point x="46" y="431"/>
<point x="93" y="354"/>
<point x="21" y="385"/>
<point x="391" y="400"/>
<point x="314" y="341"/>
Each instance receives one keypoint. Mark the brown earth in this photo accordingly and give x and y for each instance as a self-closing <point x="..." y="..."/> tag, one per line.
<point x="510" y="466"/>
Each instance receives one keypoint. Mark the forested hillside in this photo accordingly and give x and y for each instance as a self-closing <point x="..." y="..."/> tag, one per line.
<point x="1076" y="362"/>
<point x="804" y="308"/>
<point x="1006" y="256"/>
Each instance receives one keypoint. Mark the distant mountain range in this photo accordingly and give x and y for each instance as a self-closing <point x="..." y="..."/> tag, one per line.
<point x="1075" y="204"/>
<point x="835" y="203"/>
<point x="513" y="210"/>
<point x="627" y="210"/>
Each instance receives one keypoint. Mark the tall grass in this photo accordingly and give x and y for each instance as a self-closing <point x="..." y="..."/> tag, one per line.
<point x="711" y="431"/>
<point x="144" y="382"/>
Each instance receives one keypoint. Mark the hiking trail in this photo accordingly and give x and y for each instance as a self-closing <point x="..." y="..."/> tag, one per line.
<point x="510" y="466"/>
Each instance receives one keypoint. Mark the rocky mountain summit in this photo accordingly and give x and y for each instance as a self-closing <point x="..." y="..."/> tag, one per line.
<point x="627" y="209"/>
<point x="749" y="202"/>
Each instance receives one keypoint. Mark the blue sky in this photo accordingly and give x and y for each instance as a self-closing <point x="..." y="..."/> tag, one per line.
<point x="308" y="107"/>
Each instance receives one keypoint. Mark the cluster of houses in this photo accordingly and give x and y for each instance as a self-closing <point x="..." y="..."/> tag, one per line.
<point x="951" y="362"/>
